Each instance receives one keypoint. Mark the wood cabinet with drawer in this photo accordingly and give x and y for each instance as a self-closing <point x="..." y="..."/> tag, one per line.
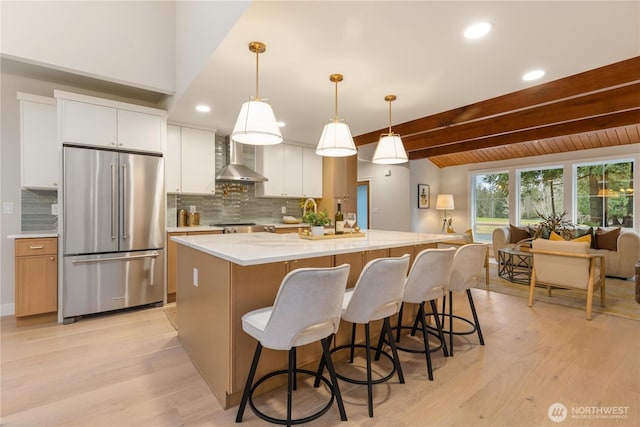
<point x="36" y="269"/>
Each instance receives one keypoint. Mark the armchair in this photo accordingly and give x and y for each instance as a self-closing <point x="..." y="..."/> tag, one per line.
<point x="566" y="264"/>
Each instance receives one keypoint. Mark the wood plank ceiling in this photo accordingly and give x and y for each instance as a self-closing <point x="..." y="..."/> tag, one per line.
<point x="596" y="108"/>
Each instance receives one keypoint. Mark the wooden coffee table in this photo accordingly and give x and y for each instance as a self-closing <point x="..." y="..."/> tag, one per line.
<point x="515" y="265"/>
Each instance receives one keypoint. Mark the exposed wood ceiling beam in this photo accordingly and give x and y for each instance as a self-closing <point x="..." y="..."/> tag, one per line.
<point x="598" y="99"/>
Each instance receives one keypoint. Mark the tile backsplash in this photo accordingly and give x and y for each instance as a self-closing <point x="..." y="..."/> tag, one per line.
<point x="36" y="210"/>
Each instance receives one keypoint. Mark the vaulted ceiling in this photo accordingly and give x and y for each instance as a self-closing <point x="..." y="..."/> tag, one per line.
<point x="596" y="108"/>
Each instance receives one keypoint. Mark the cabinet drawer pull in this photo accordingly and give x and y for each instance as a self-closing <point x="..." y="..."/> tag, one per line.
<point x="51" y="258"/>
<point x="34" y="247"/>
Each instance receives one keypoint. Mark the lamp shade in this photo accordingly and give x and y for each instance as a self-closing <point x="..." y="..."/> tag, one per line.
<point x="445" y="202"/>
<point x="256" y="125"/>
<point x="390" y="151"/>
<point x="336" y="141"/>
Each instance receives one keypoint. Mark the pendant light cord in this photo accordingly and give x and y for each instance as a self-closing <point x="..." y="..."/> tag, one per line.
<point x="390" y="133"/>
<point x="257" y="61"/>
<point x="336" y="103"/>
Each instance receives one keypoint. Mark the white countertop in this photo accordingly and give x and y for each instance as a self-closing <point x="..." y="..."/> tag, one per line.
<point x="262" y="248"/>
<point x="33" y="235"/>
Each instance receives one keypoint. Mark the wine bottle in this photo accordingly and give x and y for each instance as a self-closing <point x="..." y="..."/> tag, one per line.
<point x="339" y="220"/>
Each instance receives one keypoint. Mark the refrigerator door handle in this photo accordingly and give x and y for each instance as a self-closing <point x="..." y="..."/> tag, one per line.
<point x="114" y="202"/>
<point x="123" y="258"/>
<point x="124" y="201"/>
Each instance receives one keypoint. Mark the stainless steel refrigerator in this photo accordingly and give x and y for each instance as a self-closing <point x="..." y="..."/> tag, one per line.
<point x="113" y="234"/>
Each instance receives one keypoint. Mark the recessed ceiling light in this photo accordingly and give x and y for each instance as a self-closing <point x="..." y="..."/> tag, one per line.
<point x="533" y="75"/>
<point x="203" y="108"/>
<point x="477" y="30"/>
<point x="280" y="124"/>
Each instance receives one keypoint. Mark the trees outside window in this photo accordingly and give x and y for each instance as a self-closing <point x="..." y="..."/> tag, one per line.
<point x="491" y="203"/>
<point x="605" y="194"/>
<point x="541" y="194"/>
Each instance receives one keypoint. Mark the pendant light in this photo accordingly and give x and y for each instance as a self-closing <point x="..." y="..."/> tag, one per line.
<point x="256" y="123"/>
<point x="336" y="140"/>
<point x="390" y="149"/>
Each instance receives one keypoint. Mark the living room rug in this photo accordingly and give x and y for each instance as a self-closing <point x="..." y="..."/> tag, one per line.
<point x="171" y="314"/>
<point x="620" y="295"/>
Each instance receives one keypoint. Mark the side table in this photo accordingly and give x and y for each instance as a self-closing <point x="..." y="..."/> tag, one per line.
<point x="515" y="265"/>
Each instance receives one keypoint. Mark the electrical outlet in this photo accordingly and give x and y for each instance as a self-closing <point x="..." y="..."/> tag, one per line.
<point x="7" y="208"/>
<point x="54" y="209"/>
<point x="192" y="208"/>
<point x="283" y="210"/>
<point x="195" y="277"/>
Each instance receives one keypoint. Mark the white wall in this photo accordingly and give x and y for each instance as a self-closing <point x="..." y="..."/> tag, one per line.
<point x="128" y="42"/>
<point x="200" y="27"/>
<point x="389" y="192"/>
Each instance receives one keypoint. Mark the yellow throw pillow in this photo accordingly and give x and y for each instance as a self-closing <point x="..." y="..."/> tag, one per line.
<point x="585" y="238"/>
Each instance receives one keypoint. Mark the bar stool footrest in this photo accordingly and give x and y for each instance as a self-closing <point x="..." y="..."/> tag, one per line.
<point x="431" y="331"/>
<point x="283" y="421"/>
<point x="364" y="382"/>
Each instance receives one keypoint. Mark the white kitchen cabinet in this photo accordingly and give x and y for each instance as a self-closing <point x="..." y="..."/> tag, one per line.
<point x="292" y="170"/>
<point x="282" y="165"/>
<point x="38" y="149"/>
<point x="311" y="173"/>
<point x="172" y="161"/>
<point x="97" y="122"/>
<point x="190" y="160"/>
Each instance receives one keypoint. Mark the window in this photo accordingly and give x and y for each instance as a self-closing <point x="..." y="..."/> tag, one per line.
<point x="605" y="194"/>
<point x="541" y="193"/>
<point x="490" y="203"/>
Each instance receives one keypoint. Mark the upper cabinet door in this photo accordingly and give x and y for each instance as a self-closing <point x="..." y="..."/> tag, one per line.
<point x="172" y="160"/>
<point x="88" y="124"/>
<point x="292" y="184"/>
<point x="198" y="155"/>
<point x="38" y="148"/>
<point x="140" y="131"/>
<point x="311" y="173"/>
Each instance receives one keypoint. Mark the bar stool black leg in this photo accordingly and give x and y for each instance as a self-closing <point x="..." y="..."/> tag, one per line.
<point x="394" y="350"/>
<point x="425" y="338"/>
<point x="418" y="319"/>
<point x="475" y="316"/>
<point x="451" y="323"/>
<point x="295" y="363"/>
<point x="321" y="365"/>
<point x="353" y="342"/>
<point x="326" y="357"/>
<point x="399" y="326"/>
<point x="247" y="387"/>
<point x="443" y="340"/>
<point x="369" y="380"/>
<point x="290" y="380"/>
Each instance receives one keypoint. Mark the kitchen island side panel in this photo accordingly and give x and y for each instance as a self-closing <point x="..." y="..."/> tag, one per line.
<point x="203" y="315"/>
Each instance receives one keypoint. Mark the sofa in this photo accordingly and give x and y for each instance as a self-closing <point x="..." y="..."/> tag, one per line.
<point x="618" y="263"/>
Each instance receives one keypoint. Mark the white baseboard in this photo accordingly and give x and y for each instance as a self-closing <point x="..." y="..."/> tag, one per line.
<point x="7" y="309"/>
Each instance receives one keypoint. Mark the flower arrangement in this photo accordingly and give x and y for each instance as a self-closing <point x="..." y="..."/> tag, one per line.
<point x="314" y="219"/>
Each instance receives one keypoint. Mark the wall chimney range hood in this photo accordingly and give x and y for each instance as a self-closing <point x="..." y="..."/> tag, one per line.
<point x="235" y="171"/>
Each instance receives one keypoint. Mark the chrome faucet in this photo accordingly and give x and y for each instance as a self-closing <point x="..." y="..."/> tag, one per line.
<point x="306" y="202"/>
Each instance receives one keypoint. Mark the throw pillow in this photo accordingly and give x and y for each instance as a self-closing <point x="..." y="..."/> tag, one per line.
<point x="585" y="238"/>
<point x="583" y="231"/>
<point x="518" y="233"/>
<point x="607" y="239"/>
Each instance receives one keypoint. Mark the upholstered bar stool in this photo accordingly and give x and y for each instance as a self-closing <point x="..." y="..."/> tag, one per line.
<point x="426" y="282"/>
<point x="376" y="295"/>
<point x="307" y="309"/>
<point x="466" y="272"/>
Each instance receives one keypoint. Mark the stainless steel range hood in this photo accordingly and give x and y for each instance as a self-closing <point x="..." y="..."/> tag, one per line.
<point x="235" y="170"/>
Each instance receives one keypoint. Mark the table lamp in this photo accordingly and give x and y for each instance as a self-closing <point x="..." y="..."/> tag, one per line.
<point x="445" y="202"/>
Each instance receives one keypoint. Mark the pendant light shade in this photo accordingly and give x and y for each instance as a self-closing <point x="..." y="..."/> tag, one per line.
<point x="256" y="123"/>
<point x="336" y="139"/>
<point x="390" y="149"/>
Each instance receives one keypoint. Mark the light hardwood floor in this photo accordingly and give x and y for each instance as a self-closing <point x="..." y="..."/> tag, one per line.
<point x="129" y="369"/>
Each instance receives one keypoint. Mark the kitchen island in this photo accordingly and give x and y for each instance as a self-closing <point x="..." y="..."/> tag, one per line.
<point x="222" y="277"/>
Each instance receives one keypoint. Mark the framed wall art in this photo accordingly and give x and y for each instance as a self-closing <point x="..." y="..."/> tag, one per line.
<point x="423" y="196"/>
